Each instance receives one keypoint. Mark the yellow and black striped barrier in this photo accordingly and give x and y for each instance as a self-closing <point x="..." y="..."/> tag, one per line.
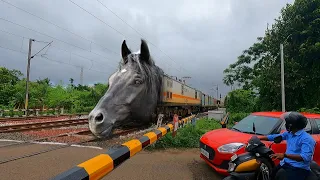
<point x="224" y="121"/>
<point x="101" y="165"/>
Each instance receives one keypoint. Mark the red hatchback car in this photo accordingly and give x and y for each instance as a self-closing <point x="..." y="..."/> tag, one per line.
<point x="219" y="145"/>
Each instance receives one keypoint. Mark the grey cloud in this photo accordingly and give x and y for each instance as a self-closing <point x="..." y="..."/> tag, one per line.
<point x="202" y="39"/>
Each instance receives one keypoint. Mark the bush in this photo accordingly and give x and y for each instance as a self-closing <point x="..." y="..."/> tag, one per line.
<point x="241" y="101"/>
<point x="233" y="117"/>
<point x="313" y="110"/>
<point x="186" y="137"/>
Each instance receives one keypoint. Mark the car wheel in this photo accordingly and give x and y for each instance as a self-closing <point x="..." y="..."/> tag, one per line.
<point x="264" y="170"/>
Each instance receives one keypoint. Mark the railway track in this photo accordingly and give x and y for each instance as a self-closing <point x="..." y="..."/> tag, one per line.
<point x="41" y="125"/>
<point x="84" y="132"/>
<point x="37" y="117"/>
<point x="44" y="151"/>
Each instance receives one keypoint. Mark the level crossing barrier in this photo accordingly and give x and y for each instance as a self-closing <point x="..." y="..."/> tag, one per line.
<point x="99" y="166"/>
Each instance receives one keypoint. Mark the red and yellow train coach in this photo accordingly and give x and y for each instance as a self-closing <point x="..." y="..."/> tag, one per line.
<point x="182" y="99"/>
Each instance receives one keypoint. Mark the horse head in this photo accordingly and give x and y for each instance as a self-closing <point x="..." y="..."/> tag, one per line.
<point x="133" y="93"/>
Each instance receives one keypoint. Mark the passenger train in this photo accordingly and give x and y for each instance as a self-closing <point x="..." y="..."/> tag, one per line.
<point x="179" y="98"/>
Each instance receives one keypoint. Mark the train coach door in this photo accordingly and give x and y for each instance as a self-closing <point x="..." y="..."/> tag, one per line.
<point x="202" y="100"/>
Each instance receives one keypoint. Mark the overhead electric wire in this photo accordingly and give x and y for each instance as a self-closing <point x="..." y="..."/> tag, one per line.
<point x="106" y="7"/>
<point x="137" y="32"/>
<point x="100" y="62"/>
<point x="84" y="37"/>
<point x="41" y="49"/>
<point x="57" y="26"/>
<point x="50" y="36"/>
<point x="118" y="30"/>
<point x="75" y="33"/>
<point x="98" y="18"/>
<point x="53" y="60"/>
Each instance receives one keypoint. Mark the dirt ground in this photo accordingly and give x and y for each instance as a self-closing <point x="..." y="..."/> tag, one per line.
<point x="166" y="164"/>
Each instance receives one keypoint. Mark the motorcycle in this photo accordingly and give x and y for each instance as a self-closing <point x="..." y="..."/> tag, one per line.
<point x="256" y="163"/>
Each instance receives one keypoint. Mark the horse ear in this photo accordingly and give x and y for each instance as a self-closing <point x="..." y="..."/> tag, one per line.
<point x="144" y="51"/>
<point x="125" y="51"/>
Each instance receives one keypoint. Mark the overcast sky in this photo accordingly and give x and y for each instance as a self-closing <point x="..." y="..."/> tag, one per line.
<point x="196" y="38"/>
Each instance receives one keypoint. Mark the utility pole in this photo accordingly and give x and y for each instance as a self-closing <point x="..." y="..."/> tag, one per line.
<point x="217" y="92"/>
<point x="28" y="74"/>
<point x="81" y="76"/>
<point x="282" y="80"/>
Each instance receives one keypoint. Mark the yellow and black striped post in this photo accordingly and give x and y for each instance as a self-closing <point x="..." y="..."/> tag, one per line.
<point x="101" y="165"/>
<point x="224" y="121"/>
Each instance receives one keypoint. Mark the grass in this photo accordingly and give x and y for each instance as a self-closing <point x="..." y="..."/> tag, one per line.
<point x="187" y="137"/>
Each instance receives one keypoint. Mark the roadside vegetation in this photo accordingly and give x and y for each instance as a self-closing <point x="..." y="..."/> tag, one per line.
<point x="43" y="94"/>
<point x="186" y="137"/>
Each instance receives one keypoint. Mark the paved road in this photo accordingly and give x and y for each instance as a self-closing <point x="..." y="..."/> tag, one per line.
<point x="163" y="165"/>
<point x="43" y="166"/>
<point x="170" y="164"/>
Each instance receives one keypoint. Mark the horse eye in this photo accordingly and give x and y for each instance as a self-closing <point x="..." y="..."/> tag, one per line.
<point x="138" y="82"/>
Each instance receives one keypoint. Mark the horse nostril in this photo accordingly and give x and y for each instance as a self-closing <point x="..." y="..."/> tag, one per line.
<point x="99" y="117"/>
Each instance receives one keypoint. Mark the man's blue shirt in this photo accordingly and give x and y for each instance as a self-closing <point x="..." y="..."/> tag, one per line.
<point x="300" y="143"/>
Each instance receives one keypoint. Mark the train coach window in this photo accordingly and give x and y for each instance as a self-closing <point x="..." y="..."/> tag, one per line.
<point x="196" y="95"/>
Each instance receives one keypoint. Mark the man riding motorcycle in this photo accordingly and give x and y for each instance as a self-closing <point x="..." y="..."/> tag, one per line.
<point x="295" y="163"/>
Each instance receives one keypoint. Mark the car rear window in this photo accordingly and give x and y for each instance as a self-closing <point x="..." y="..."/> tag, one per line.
<point x="263" y="124"/>
<point x="307" y="128"/>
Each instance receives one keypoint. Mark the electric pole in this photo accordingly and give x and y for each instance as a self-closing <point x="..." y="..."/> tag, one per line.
<point x="81" y="76"/>
<point x="283" y="97"/>
<point x="282" y="79"/>
<point x="217" y="92"/>
<point x="28" y="74"/>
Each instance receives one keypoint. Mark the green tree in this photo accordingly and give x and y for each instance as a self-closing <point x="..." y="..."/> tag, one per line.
<point x="258" y="68"/>
<point x="241" y="100"/>
<point x="8" y="79"/>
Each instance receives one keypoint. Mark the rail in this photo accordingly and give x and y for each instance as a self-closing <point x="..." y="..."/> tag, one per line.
<point x="41" y="125"/>
<point x="99" y="166"/>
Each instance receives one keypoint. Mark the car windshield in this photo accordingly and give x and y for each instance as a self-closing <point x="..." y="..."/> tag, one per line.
<point x="263" y="124"/>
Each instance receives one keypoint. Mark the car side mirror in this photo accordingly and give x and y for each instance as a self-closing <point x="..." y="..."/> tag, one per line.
<point x="277" y="139"/>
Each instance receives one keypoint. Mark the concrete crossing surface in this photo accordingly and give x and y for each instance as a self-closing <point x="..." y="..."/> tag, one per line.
<point x="168" y="164"/>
